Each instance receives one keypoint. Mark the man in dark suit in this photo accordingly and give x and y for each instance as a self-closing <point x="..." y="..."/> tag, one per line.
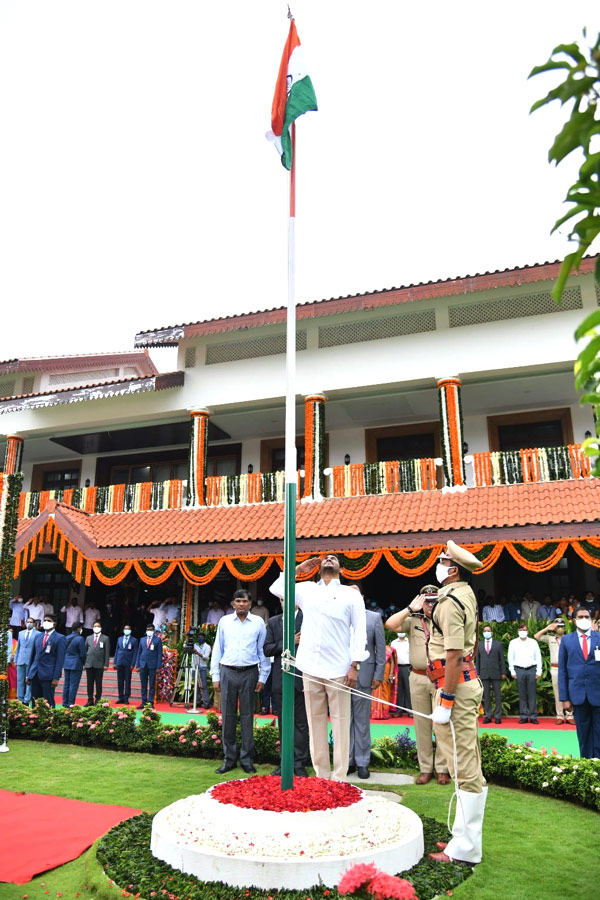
<point x="491" y="669"/>
<point x="579" y="681"/>
<point x="97" y="658"/>
<point x="370" y="675"/>
<point x="125" y="655"/>
<point x="23" y="654"/>
<point x="273" y="646"/>
<point x="75" y="654"/>
<point x="148" y="661"/>
<point x="45" y="668"/>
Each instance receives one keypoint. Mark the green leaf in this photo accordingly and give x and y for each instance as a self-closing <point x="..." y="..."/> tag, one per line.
<point x="570" y="136"/>
<point x="549" y="67"/>
<point x="565" y="271"/>
<point x="588" y="323"/>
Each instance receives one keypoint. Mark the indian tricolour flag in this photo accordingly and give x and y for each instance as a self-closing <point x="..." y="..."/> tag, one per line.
<point x="294" y="95"/>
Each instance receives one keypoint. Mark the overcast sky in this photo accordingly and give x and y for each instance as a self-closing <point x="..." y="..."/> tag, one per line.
<point x="137" y="189"/>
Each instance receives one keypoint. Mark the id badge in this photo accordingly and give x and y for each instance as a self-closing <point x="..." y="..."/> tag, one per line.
<point x="48" y="649"/>
<point x="102" y="645"/>
<point x="597" y="654"/>
<point x="151" y="647"/>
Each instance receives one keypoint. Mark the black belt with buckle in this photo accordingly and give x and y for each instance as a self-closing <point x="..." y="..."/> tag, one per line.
<point x="240" y="668"/>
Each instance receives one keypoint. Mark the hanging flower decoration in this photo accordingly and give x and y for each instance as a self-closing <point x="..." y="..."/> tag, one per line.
<point x="166" y="675"/>
<point x="452" y="433"/>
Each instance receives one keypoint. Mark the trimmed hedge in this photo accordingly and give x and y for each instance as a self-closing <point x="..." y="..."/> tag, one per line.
<point x="125" y="856"/>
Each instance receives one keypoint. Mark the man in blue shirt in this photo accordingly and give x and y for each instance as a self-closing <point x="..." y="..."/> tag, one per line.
<point x="239" y="669"/>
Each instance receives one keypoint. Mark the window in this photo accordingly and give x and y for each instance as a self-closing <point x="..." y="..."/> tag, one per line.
<point x="160" y="471"/>
<point x="539" y="428"/>
<point x="56" y="476"/>
<point x="272" y="453"/>
<point x="402" y="442"/>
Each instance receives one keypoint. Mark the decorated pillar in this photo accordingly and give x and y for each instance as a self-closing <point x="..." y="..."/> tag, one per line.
<point x="11" y="481"/>
<point x="13" y="455"/>
<point x="452" y="436"/>
<point x="314" y="446"/>
<point x="198" y="449"/>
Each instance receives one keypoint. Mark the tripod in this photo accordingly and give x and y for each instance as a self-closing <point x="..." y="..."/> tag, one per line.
<point x="188" y="674"/>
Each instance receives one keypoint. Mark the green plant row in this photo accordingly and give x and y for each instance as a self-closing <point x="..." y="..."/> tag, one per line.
<point x="125" y="855"/>
<point x="565" y="777"/>
<point x="118" y="729"/>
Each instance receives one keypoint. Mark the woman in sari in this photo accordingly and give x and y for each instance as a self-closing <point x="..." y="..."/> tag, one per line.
<point x="387" y="690"/>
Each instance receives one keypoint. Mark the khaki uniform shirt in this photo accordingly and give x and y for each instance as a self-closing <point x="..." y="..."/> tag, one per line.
<point x="554" y="643"/>
<point x="458" y="626"/>
<point x="413" y="627"/>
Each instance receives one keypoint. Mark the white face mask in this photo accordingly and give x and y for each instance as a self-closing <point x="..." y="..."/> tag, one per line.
<point x="127" y="632"/>
<point x="584" y="624"/>
<point x="522" y="635"/>
<point x="441" y="573"/>
<point x="150" y="634"/>
<point x="487" y="635"/>
<point x="97" y="629"/>
<point x="47" y="626"/>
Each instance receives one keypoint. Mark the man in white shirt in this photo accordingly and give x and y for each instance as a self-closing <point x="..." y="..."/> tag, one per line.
<point x="17" y="614"/>
<point x="90" y="615"/>
<point x="73" y="614"/>
<point x="525" y="664"/>
<point x="158" y="612"/>
<point x="200" y="658"/>
<point x="214" y="614"/>
<point x="493" y="612"/>
<point x="35" y="609"/>
<point x="171" y="609"/>
<point x="402" y="648"/>
<point x="331" y="648"/>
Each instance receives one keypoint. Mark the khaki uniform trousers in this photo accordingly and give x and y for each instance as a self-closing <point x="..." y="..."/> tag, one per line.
<point x="422" y="694"/>
<point x="560" y="712"/>
<point x="464" y="717"/>
<point x="319" y="695"/>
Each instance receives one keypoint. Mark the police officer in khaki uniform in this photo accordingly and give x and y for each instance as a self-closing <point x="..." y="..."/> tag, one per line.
<point x="417" y="625"/>
<point x="452" y="648"/>
<point x="552" y="635"/>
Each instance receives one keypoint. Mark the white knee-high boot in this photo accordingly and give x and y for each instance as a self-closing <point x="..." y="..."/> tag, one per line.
<point x="465" y="843"/>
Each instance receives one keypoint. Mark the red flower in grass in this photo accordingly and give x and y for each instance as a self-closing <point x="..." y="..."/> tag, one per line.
<point x="389" y="887"/>
<point x="355" y="877"/>
<point x="264" y="792"/>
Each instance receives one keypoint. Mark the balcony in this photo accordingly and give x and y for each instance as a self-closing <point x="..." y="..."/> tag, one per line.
<point x="489" y="469"/>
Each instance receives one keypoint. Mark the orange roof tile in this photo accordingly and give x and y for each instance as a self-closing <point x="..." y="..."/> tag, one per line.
<point x="418" y="515"/>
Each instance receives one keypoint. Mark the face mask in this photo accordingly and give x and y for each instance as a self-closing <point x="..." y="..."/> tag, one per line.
<point x="560" y="630"/>
<point x="201" y="640"/>
<point x="47" y="626"/>
<point x="584" y="624"/>
<point x="441" y="573"/>
<point x="150" y="634"/>
<point x="522" y="635"/>
<point x="127" y="632"/>
<point x="260" y="602"/>
<point x="487" y="635"/>
<point x="97" y="629"/>
<point x="29" y="625"/>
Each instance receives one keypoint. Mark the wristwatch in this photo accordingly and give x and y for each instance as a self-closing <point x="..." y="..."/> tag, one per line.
<point x="355" y="666"/>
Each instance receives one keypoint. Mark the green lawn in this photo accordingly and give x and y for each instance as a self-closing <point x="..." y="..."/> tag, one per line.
<point x="533" y="845"/>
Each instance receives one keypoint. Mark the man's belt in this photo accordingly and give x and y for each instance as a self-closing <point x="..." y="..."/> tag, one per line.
<point x="554" y="665"/>
<point x="525" y="668"/>
<point x="419" y="671"/>
<point x="436" y="671"/>
<point x="240" y="668"/>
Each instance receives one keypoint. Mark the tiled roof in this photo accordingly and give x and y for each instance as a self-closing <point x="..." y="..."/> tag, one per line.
<point x="170" y="335"/>
<point x="418" y="515"/>
<point x="116" y="387"/>
<point x="79" y="362"/>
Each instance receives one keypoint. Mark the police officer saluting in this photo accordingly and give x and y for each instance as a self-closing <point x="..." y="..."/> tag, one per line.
<point x="452" y="648"/>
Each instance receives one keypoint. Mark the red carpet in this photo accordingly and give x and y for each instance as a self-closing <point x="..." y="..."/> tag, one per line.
<point x="40" y="832"/>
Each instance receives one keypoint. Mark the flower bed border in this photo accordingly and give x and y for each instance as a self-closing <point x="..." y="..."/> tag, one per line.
<point x="125" y="849"/>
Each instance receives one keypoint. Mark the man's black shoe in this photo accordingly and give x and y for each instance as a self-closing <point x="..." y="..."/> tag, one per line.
<point x="523" y="720"/>
<point x="226" y="767"/>
<point x="533" y="721"/>
<point x="363" y="772"/>
<point x="248" y="769"/>
<point x="487" y="720"/>
<point x="301" y="772"/>
<point x="498" y="721"/>
<point x="276" y="771"/>
<point x="141" y="706"/>
<point x="90" y="703"/>
<point x="351" y="770"/>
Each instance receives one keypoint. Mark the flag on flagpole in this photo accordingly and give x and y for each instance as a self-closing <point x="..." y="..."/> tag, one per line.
<point x="294" y="96"/>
